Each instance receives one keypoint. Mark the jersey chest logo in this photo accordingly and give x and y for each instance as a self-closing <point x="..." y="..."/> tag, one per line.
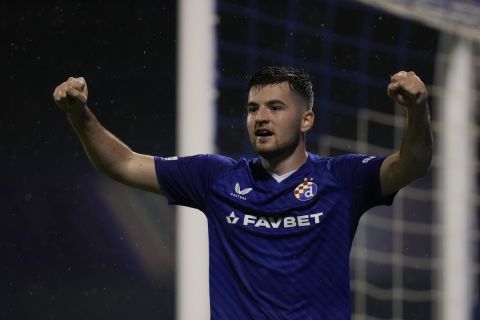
<point x="305" y="190"/>
<point x="239" y="193"/>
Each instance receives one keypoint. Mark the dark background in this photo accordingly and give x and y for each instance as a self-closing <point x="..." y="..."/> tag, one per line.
<point x="64" y="255"/>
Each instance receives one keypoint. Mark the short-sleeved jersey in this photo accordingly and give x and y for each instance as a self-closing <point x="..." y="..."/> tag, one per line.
<point x="278" y="250"/>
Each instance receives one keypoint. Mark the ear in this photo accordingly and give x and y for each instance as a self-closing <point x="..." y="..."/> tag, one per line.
<point x="308" y="118"/>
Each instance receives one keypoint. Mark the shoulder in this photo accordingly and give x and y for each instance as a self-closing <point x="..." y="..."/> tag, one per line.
<point x="318" y="161"/>
<point x="216" y="159"/>
<point x="241" y="167"/>
<point x="206" y="159"/>
<point x="206" y="165"/>
<point x="348" y="162"/>
<point x="351" y="159"/>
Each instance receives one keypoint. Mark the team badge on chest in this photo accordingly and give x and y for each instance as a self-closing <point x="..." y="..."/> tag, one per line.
<point x="305" y="190"/>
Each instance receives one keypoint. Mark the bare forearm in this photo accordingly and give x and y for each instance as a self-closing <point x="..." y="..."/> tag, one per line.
<point x="413" y="159"/>
<point x="417" y="144"/>
<point x="105" y="151"/>
<point x="415" y="155"/>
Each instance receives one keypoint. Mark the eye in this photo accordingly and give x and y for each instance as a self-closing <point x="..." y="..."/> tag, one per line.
<point x="252" y="109"/>
<point x="275" y="108"/>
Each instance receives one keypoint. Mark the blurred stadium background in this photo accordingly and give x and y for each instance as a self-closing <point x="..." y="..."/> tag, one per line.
<point x="75" y="245"/>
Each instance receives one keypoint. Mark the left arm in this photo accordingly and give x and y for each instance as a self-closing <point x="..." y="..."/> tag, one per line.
<point x="415" y="155"/>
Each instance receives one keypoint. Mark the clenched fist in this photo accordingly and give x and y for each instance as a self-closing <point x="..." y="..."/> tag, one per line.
<point x="407" y="89"/>
<point x="71" y="95"/>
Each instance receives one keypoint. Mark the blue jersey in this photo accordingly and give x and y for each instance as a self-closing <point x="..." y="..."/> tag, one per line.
<point x="278" y="250"/>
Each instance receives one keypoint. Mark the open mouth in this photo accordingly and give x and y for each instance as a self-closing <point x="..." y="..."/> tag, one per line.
<point x="263" y="133"/>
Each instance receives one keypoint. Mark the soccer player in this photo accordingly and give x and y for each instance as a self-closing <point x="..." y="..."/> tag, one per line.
<point x="280" y="225"/>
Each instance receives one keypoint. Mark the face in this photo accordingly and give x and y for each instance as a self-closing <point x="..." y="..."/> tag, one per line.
<point x="277" y="120"/>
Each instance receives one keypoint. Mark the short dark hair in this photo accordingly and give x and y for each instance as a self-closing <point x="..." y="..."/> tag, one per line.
<point x="298" y="79"/>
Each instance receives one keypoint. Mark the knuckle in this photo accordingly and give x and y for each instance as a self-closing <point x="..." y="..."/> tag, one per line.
<point x="399" y="75"/>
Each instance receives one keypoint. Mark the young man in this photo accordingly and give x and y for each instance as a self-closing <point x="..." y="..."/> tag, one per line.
<point x="280" y="225"/>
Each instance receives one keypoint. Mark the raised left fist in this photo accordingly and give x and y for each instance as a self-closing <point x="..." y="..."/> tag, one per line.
<point x="407" y="89"/>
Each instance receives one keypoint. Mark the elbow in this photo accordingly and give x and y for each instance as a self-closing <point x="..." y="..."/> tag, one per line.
<point x="421" y="164"/>
<point x="115" y="168"/>
<point x="423" y="170"/>
<point x="108" y="170"/>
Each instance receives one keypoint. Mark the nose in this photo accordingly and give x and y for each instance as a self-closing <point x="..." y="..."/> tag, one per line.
<point x="262" y="115"/>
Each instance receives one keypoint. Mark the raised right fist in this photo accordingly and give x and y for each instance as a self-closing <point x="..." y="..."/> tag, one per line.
<point x="71" y="95"/>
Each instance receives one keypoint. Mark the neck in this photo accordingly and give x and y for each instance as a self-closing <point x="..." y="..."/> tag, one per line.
<point x="285" y="163"/>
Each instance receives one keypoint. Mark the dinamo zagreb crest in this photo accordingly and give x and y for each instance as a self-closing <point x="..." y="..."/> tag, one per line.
<point x="305" y="190"/>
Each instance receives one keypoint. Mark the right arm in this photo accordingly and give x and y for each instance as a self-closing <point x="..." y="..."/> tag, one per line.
<point x="106" y="152"/>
